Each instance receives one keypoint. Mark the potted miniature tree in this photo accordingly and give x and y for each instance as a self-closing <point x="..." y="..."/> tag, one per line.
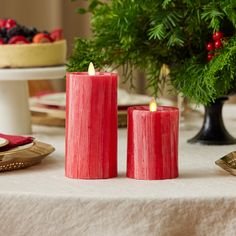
<point x="194" y="38"/>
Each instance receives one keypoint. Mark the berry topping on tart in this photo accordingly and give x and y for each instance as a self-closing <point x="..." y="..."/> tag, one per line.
<point x="42" y="38"/>
<point x="13" y="33"/>
<point x="18" y="40"/>
<point x="56" y="34"/>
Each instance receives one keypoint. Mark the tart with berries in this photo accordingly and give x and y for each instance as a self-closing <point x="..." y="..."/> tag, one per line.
<point x="27" y="47"/>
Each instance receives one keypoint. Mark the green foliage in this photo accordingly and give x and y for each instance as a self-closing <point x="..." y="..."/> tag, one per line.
<point x="203" y="83"/>
<point x="213" y="15"/>
<point x="222" y="69"/>
<point x="150" y="33"/>
<point x="85" y="49"/>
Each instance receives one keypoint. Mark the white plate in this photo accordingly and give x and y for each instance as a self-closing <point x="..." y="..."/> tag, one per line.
<point x="55" y="99"/>
<point x="3" y="142"/>
<point x="124" y="99"/>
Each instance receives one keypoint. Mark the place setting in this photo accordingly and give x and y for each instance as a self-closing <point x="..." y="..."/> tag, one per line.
<point x="50" y="108"/>
<point x="18" y="152"/>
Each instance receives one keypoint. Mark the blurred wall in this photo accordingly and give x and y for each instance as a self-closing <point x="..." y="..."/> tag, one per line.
<point x="74" y="24"/>
<point x="43" y="14"/>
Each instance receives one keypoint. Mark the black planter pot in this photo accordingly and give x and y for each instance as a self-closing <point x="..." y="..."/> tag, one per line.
<point x="213" y="131"/>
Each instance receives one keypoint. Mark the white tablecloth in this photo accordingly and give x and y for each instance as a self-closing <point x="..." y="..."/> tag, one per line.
<point x="202" y="201"/>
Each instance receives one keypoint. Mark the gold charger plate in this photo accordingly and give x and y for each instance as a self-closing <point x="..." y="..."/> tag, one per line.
<point x="228" y="163"/>
<point x="25" y="158"/>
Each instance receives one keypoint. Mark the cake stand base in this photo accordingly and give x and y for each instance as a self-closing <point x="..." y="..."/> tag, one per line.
<point x="14" y="108"/>
<point x="14" y="96"/>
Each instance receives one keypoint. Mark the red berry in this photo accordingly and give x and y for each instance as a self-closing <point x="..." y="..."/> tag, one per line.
<point x="10" y="23"/>
<point x="56" y="34"/>
<point x="2" y="23"/>
<point x="210" y="47"/>
<point x="1" y="41"/>
<point x="218" y="44"/>
<point x="42" y="38"/>
<point x="210" y="56"/>
<point x="217" y="35"/>
<point x="18" y="40"/>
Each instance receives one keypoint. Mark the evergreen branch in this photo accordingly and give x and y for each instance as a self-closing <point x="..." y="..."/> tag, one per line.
<point x="213" y="14"/>
<point x="229" y="9"/>
<point x="166" y="3"/>
<point x="157" y="32"/>
<point x="190" y="81"/>
<point x="83" y="54"/>
<point x="176" y="39"/>
<point x="145" y="35"/>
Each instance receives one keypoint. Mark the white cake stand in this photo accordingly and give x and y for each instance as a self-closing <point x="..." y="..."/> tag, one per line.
<point x="14" y="96"/>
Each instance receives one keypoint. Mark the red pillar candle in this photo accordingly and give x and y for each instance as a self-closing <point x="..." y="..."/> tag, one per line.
<point x="91" y="126"/>
<point x="152" y="143"/>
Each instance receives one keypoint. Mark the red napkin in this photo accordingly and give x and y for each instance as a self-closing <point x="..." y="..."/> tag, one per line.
<point x="15" y="141"/>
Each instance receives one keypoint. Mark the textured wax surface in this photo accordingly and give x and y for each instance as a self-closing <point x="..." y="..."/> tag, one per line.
<point x="152" y="151"/>
<point x="91" y="124"/>
<point x="40" y="200"/>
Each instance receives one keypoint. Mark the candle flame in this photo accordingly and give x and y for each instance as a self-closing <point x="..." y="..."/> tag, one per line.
<point x="153" y="105"/>
<point x="91" y="70"/>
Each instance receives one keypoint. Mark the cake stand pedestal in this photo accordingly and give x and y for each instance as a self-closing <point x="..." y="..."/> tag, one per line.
<point x="14" y="96"/>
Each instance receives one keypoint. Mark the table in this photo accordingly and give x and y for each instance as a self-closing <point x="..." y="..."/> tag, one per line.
<point x="202" y="201"/>
<point x="14" y="97"/>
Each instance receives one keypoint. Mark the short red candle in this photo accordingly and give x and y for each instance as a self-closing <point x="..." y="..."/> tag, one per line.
<point x="91" y="125"/>
<point x="152" y="151"/>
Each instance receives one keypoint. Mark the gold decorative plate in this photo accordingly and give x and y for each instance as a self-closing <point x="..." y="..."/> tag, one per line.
<point x="25" y="158"/>
<point x="228" y="163"/>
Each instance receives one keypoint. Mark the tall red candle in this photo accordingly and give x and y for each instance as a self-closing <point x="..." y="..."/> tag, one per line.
<point x="152" y="151"/>
<point x="91" y="126"/>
